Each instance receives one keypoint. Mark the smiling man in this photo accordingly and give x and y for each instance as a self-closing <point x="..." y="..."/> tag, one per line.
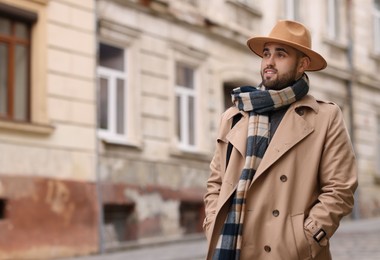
<point x="284" y="173"/>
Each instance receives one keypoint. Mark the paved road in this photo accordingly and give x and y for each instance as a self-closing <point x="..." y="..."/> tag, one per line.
<point x="357" y="240"/>
<point x="354" y="240"/>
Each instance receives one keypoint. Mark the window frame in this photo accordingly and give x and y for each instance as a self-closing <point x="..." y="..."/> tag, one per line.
<point x="197" y="60"/>
<point x="112" y="75"/>
<point x="121" y="36"/>
<point x="35" y="11"/>
<point x="28" y="19"/>
<point x="184" y="94"/>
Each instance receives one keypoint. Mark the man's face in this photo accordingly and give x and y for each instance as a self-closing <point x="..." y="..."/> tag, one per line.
<point x="280" y="66"/>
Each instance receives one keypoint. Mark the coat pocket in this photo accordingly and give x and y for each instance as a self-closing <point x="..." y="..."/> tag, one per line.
<point x="303" y="246"/>
<point x="208" y="222"/>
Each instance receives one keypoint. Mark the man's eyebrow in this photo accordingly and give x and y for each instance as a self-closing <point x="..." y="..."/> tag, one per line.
<point x="281" y="49"/>
<point x="276" y="49"/>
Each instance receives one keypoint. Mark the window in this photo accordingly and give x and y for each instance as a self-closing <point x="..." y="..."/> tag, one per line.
<point x="188" y="118"/>
<point x="292" y="9"/>
<point x="23" y="52"/>
<point x="119" y="91"/>
<point x="185" y="106"/>
<point x="112" y="76"/>
<point x="15" y="43"/>
<point x="376" y="26"/>
<point x="333" y="19"/>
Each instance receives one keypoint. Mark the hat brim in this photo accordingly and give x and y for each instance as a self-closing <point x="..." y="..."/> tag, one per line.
<point x="317" y="62"/>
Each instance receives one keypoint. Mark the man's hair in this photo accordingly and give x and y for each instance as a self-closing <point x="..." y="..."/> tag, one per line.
<point x="300" y="54"/>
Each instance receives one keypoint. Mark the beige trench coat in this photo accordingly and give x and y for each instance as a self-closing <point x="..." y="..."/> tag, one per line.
<point x="303" y="187"/>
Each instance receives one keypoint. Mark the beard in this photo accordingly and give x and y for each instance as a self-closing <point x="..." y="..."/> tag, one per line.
<point x="281" y="81"/>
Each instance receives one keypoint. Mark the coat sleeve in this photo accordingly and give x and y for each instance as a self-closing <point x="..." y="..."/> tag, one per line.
<point x="217" y="170"/>
<point x="214" y="183"/>
<point x="338" y="182"/>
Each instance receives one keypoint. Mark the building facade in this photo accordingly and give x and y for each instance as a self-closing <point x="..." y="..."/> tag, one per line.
<point x="48" y="202"/>
<point x="109" y="110"/>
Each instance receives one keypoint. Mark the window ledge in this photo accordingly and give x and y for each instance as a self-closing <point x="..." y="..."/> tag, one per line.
<point x="337" y="43"/>
<point x="120" y="142"/>
<point x="33" y="128"/>
<point x="250" y="8"/>
<point x="187" y="154"/>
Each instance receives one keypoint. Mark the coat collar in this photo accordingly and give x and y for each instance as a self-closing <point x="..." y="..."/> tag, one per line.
<point x="292" y="129"/>
<point x="308" y="101"/>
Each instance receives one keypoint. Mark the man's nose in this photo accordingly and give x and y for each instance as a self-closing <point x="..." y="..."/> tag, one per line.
<point x="269" y="61"/>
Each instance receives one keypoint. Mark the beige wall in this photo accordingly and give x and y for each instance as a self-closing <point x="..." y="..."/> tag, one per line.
<point x="60" y="142"/>
<point x="48" y="165"/>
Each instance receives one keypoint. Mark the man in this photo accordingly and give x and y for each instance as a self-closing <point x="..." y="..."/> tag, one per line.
<point x="284" y="174"/>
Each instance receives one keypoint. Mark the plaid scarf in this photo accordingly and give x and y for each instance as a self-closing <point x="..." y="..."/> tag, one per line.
<point x="257" y="102"/>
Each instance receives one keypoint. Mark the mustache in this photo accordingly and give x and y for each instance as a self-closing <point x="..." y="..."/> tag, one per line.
<point x="269" y="68"/>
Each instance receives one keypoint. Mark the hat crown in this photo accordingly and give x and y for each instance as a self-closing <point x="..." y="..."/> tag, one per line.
<point x="292" y="32"/>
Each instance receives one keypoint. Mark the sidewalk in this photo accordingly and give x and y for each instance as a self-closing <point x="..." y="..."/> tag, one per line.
<point x="354" y="240"/>
<point x="189" y="248"/>
<point x="357" y="240"/>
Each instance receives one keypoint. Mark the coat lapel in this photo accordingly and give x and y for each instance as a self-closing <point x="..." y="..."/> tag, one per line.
<point x="292" y="129"/>
<point x="237" y="136"/>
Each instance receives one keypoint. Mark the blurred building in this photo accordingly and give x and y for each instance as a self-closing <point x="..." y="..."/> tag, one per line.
<point x="109" y="110"/>
<point x="48" y="202"/>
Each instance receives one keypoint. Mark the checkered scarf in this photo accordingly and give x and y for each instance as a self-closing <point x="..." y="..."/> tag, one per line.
<point x="257" y="102"/>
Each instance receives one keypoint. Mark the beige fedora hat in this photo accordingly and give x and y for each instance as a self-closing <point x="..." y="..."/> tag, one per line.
<point x="293" y="34"/>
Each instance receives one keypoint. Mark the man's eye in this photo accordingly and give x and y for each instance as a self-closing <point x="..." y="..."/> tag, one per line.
<point x="266" y="54"/>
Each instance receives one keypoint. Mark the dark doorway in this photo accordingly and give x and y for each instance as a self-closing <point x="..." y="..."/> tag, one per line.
<point x="227" y="89"/>
<point x="3" y="204"/>
<point x="192" y="215"/>
<point x="120" y="222"/>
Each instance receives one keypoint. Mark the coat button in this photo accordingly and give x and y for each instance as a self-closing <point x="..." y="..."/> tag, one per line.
<point x="267" y="249"/>
<point x="276" y="213"/>
<point x="283" y="178"/>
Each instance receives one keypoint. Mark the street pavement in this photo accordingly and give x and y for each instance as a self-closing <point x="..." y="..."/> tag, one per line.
<point x="357" y="240"/>
<point x="354" y="240"/>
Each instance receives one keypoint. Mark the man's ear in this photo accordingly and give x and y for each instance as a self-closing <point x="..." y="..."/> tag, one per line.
<point x="303" y="64"/>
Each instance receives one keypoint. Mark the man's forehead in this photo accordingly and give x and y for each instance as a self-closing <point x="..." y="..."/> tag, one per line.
<point x="276" y="45"/>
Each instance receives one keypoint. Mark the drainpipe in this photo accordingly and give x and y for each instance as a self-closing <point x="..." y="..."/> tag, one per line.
<point x="350" y="81"/>
<point x="98" y="184"/>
